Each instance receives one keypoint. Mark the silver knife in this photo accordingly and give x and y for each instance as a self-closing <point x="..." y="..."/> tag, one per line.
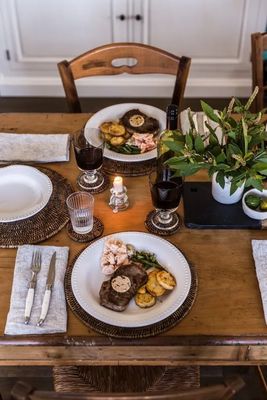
<point x="48" y="289"/>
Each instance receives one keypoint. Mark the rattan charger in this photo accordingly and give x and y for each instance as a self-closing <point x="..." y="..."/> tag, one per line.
<point x="133" y="332"/>
<point x="123" y="168"/>
<point x="46" y="223"/>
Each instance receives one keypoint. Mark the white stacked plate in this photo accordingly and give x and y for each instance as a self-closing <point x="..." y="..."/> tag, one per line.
<point x="24" y="191"/>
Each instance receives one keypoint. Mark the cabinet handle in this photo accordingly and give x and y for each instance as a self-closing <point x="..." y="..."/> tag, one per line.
<point x="121" y="17"/>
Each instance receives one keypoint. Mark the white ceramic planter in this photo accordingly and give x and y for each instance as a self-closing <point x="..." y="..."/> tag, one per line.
<point x="222" y="195"/>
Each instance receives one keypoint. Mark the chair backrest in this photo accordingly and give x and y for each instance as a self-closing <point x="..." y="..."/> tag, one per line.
<point x="22" y="391"/>
<point x="101" y="61"/>
<point x="258" y="46"/>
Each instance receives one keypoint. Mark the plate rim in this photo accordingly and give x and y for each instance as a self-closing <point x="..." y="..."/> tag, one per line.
<point x="167" y="313"/>
<point x="40" y="206"/>
<point x="112" y="155"/>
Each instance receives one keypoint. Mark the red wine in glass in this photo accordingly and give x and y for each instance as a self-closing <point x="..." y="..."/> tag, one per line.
<point x="89" y="158"/>
<point x="166" y="195"/>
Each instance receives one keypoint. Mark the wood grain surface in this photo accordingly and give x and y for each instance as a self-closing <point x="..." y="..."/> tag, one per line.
<point x="226" y="323"/>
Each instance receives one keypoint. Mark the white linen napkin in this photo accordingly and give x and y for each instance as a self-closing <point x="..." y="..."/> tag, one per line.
<point x="259" y="248"/>
<point x="199" y="119"/>
<point x="34" y="147"/>
<point x="56" y="319"/>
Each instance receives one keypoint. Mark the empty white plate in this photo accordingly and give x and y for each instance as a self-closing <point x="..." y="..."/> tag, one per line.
<point x="24" y="191"/>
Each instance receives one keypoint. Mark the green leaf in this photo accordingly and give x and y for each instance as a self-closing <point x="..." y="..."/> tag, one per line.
<point x="220" y="178"/>
<point x="262" y="159"/>
<point x="208" y="110"/>
<point x="174" y="145"/>
<point x="213" y="140"/>
<point x="222" y="167"/>
<point x="220" y="158"/>
<point x="190" y="169"/>
<point x="260" y="166"/>
<point x="189" y="141"/>
<point x="234" y="149"/>
<point x="252" y="97"/>
<point x="245" y="135"/>
<point x="190" y="119"/>
<point x="216" y="150"/>
<point x="199" y="144"/>
<point x="175" y="160"/>
<point x="255" y="183"/>
<point x="233" y="188"/>
<point x="178" y="165"/>
<point x="232" y="135"/>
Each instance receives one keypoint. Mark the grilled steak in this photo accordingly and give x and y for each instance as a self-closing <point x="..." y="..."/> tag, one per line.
<point x="127" y="279"/>
<point x="136" y="121"/>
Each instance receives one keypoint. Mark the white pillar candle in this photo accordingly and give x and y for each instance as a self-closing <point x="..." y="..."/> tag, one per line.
<point x="118" y="184"/>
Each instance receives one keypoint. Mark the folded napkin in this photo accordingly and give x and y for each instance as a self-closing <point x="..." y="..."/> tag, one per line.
<point x="259" y="248"/>
<point x="34" y="147"/>
<point x="199" y="119"/>
<point x="56" y="319"/>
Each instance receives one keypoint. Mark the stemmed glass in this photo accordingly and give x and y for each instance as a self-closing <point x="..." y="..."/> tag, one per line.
<point x="166" y="191"/>
<point x="89" y="157"/>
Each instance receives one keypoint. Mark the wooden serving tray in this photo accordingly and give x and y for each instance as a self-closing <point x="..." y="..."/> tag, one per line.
<point x="201" y="211"/>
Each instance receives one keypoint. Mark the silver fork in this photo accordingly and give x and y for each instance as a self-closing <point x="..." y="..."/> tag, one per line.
<point x="35" y="268"/>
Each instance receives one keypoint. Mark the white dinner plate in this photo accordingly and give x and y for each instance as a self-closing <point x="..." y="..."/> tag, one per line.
<point x="115" y="112"/>
<point x="87" y="278"/>
<point x="24" y="191"/>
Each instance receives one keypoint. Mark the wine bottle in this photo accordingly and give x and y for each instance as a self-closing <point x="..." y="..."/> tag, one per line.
<point x="164" y="153"/>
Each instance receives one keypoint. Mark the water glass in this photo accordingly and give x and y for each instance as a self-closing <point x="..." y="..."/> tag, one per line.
<point x="81" y="211"/>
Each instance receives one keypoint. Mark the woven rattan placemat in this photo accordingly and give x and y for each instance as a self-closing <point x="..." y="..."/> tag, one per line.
<point x="157" y="231"/>
<point x="139" y="168"/>
<point x="46" y="223"/>
<point x="129" y="333"/>
<point x="98" y="228"/>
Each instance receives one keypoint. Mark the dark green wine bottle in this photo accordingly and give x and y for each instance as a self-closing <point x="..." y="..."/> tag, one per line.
<point x="164" y="153"/>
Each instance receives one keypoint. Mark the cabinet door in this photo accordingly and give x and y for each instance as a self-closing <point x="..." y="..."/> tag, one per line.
<point x="215" y="34"/>
<point x="38" y="34"/>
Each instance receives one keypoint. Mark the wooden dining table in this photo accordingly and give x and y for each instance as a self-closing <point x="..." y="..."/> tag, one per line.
<point x="226" y="323"/>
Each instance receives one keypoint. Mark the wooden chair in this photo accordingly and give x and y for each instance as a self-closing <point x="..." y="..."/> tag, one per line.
<point x="100" y="61"/>
<point x="258" y="45"/>
<point x="22" y="391"/>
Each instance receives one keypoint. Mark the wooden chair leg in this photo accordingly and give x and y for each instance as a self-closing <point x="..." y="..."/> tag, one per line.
<point x="263" y="380"/>
<point x="21" y="391"/>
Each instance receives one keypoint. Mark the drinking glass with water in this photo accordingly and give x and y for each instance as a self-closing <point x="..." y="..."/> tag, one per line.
<point x="81" y="211"/>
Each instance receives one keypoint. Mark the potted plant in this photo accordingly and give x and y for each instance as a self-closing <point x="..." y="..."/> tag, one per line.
<point x="236" y="160"/>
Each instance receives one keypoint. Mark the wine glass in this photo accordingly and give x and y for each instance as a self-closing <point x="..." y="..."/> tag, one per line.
<point x="166" y="191"/>
<point x="89" y="157"/>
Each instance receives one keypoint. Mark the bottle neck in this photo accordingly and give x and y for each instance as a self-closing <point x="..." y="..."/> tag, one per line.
<point x="172" y="117"/>
<point x="164" y="153"/>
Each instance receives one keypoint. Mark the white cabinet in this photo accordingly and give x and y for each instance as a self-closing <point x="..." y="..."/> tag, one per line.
<point x="36" y="35"/>
<point x="215" y="34"/>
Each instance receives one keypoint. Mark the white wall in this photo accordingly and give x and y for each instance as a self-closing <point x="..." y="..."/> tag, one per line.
<point x="215" y="33"/>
